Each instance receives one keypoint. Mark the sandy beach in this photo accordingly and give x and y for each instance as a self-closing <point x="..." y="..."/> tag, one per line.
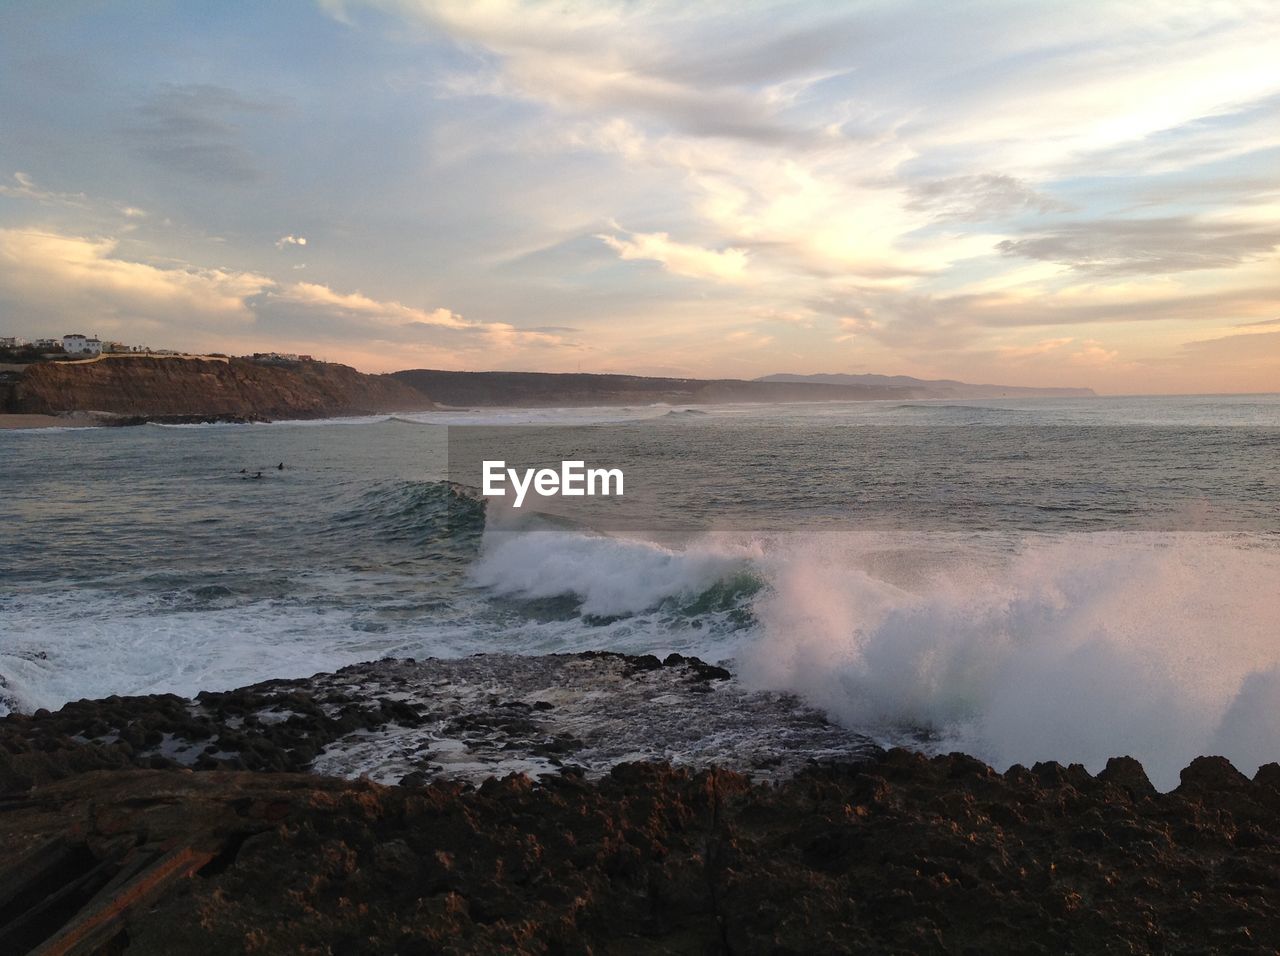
<point x="31" y="421"/>
<point x="74" y="420"/>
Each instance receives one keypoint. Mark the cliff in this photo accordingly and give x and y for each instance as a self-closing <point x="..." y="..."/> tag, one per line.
<point x="561" y="389"/>
<point x="181" y="387"/>
<point x="152" y="386"/>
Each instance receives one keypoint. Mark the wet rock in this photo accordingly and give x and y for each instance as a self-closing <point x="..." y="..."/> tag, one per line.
<point x="272" y="726"/>
<point x="642" y="662"/>
<point x="700" y="669"/>
<point x="476" y="717"/>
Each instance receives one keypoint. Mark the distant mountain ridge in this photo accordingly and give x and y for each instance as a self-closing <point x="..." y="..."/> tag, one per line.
<point x="929" y="388"/>
<point x="568" y="389"/>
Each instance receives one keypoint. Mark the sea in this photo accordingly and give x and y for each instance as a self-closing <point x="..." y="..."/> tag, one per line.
<point x="1020" y="579"/>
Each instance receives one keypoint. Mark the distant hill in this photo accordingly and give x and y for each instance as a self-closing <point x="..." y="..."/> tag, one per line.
<point x="929" y="388"/>
<point x="576" y="389"/>
<point x="581" y="388"/>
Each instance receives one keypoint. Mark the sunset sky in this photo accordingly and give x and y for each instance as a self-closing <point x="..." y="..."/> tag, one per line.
<point x="1018" y="192"/>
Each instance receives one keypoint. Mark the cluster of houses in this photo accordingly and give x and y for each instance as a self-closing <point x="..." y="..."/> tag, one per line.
<point x="74" y="343"/>
<point x="281" y="357"/>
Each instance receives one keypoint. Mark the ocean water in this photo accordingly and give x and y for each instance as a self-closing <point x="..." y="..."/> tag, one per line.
<point x="1024" y="580"/>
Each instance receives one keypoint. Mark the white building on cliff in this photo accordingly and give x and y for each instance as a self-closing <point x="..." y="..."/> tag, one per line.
<point x="76" y="344"/>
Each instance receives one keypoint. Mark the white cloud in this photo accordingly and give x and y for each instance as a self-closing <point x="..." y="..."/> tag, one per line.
<point x="354" y="303"/>
<point x="23" y="186"/>
<point x="1092" y="353"/>
<point x="1015" y="352"/>
<point x="749" y="338"/>
<point x="360" y="314"/>
<point x="53" y="279"/>
<point x="81" y="279"/>
<point x="285" y="241"/>
<point x="725" y="265"/>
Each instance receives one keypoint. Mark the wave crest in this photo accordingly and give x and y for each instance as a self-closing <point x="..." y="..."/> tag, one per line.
<point x="613" y="577"/>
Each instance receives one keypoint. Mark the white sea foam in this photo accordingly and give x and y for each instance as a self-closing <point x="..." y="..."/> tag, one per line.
<point x="1076" y="649"/>
<point x="64" y="644"/>
<point x="61" y="647"/>
<point x="610" y="576"/>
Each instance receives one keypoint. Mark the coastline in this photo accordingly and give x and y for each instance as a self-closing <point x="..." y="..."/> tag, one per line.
<point x="86" y="419"/>
<point x="72" y="420"/>
<point x="869" y="852"/>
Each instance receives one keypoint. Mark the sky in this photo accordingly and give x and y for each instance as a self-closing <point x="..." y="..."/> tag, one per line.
<point x="1021" y="192"/>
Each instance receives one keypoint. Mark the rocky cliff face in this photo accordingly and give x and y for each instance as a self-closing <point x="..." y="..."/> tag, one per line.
<point x="239" y="388"/>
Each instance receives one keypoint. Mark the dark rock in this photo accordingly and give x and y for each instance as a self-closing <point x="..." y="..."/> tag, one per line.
<point x="1268" y="775"/>
<point x="1127" y="773"/>
<point x="701" y="670"/>
<point x="1211" y="775"/>
<point x="895" y="852"/>
<point x="643" y="662"/>
<point x="1054" y="775"/>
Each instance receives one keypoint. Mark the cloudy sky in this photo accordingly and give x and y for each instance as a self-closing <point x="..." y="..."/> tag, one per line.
<point x="1032" y="193"/>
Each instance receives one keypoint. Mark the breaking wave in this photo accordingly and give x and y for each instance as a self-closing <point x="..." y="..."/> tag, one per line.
<point x="1076" y="649"/>
<point x="611" y="577"/>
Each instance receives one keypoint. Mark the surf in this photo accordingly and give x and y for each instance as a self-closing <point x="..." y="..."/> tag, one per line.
<point x="1076" y="648"/>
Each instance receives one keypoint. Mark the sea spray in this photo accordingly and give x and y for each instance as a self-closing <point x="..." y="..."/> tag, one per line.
<point x="1073" y="649"/>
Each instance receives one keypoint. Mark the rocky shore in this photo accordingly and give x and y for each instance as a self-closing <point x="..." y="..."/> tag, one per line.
<point x="404" y="721"/>
<point x="129" y="826"/>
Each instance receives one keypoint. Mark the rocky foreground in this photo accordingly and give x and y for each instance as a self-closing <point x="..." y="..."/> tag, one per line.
<point x="863" y="851"/>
